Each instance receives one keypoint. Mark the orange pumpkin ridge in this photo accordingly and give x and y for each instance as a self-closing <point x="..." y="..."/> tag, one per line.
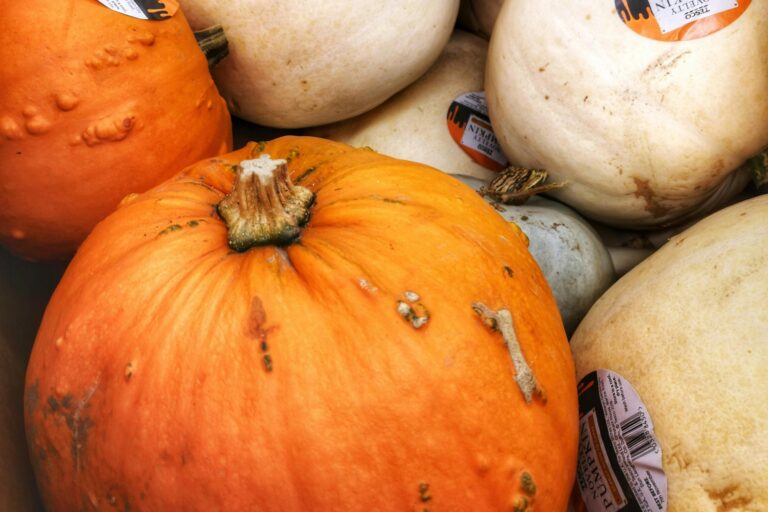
<point x="299" y="377"/>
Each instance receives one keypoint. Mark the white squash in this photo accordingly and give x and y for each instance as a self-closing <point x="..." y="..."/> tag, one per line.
<point x="24" y="291"/>
<point x="630" y="247"/>
<point x="412" y="125"/>
<point x="645" y="131"/>
<point x="297" y="63"/>
<point x="478" y="16"/>
<point x="569" y="252"/>
<point x="688" y="329"/>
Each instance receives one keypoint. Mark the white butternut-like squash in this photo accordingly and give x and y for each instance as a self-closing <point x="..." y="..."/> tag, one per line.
<point x="688" y="329"/>
<point x="295" y="63"/>
<point x="645" y="131"/>
<point x="412" y="125"/>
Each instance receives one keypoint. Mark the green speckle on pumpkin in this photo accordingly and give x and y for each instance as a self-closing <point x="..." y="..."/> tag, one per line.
<point x="304" y="174"/>
<point x="527" y="483"/>
<point x="259" y="148"/>
<point x="170" y="229"/>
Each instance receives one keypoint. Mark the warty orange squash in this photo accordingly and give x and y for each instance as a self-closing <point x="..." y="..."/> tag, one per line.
<point x="94" y="104"/>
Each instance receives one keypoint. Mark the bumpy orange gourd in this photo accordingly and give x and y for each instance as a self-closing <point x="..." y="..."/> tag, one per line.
<point x="361" y="366"/>
<point x="94" y="105"/>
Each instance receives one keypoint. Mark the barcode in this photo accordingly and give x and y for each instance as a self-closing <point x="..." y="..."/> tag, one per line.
<point x="638" y="438"/>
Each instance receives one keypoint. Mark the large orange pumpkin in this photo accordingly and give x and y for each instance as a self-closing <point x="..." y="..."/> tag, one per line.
<point x="393" y="346"/>
<point x="94" y="104"/>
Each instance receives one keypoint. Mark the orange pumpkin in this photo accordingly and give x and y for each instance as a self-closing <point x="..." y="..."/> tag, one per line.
<point x="94" y="105"/>
<point x="393" y="346"/>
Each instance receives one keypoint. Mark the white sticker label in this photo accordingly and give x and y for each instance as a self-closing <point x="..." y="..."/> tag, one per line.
<point x="128" y="7"/>
<point x="673" y="14"/>
<point x="619" y="465"/>
<point x="479" y="136"/>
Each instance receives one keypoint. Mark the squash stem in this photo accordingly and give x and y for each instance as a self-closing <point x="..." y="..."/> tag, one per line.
<point x="213" y="42"/>
<point x="264" y="207"/>
<point x="515" y="185"/>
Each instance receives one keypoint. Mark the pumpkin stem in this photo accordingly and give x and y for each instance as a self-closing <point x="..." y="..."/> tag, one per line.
<point x="213" y="42"/>
<point x="264" y="207"/>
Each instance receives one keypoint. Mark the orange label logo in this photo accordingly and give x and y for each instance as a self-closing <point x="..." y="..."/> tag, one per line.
<point x="144" y="9"/>
<point x="470" y="126"/>
<point x="678" y="20"/>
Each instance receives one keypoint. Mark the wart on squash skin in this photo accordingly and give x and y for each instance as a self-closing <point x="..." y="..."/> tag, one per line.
<point x="367" y="286"/>
<point x="520" y="505"/>
<point x="502" y="321"/>
<point x="415" y="312"/>
<point x="130" y="368"/>
<point x="424" y="492"/>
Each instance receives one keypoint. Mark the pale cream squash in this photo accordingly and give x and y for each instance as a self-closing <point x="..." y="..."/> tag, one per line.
<point x="645" y="131"/>
<point x="412" y="125"/>
<point x="687" y="327"/>
<point x="298" y="63"/>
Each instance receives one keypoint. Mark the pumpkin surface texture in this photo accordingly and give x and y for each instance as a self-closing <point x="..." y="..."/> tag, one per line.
<point x="301" y="63"/>
<point x="646" y="132"/>
<point x="100" y="105"/>
<point x="398" y="349"/>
